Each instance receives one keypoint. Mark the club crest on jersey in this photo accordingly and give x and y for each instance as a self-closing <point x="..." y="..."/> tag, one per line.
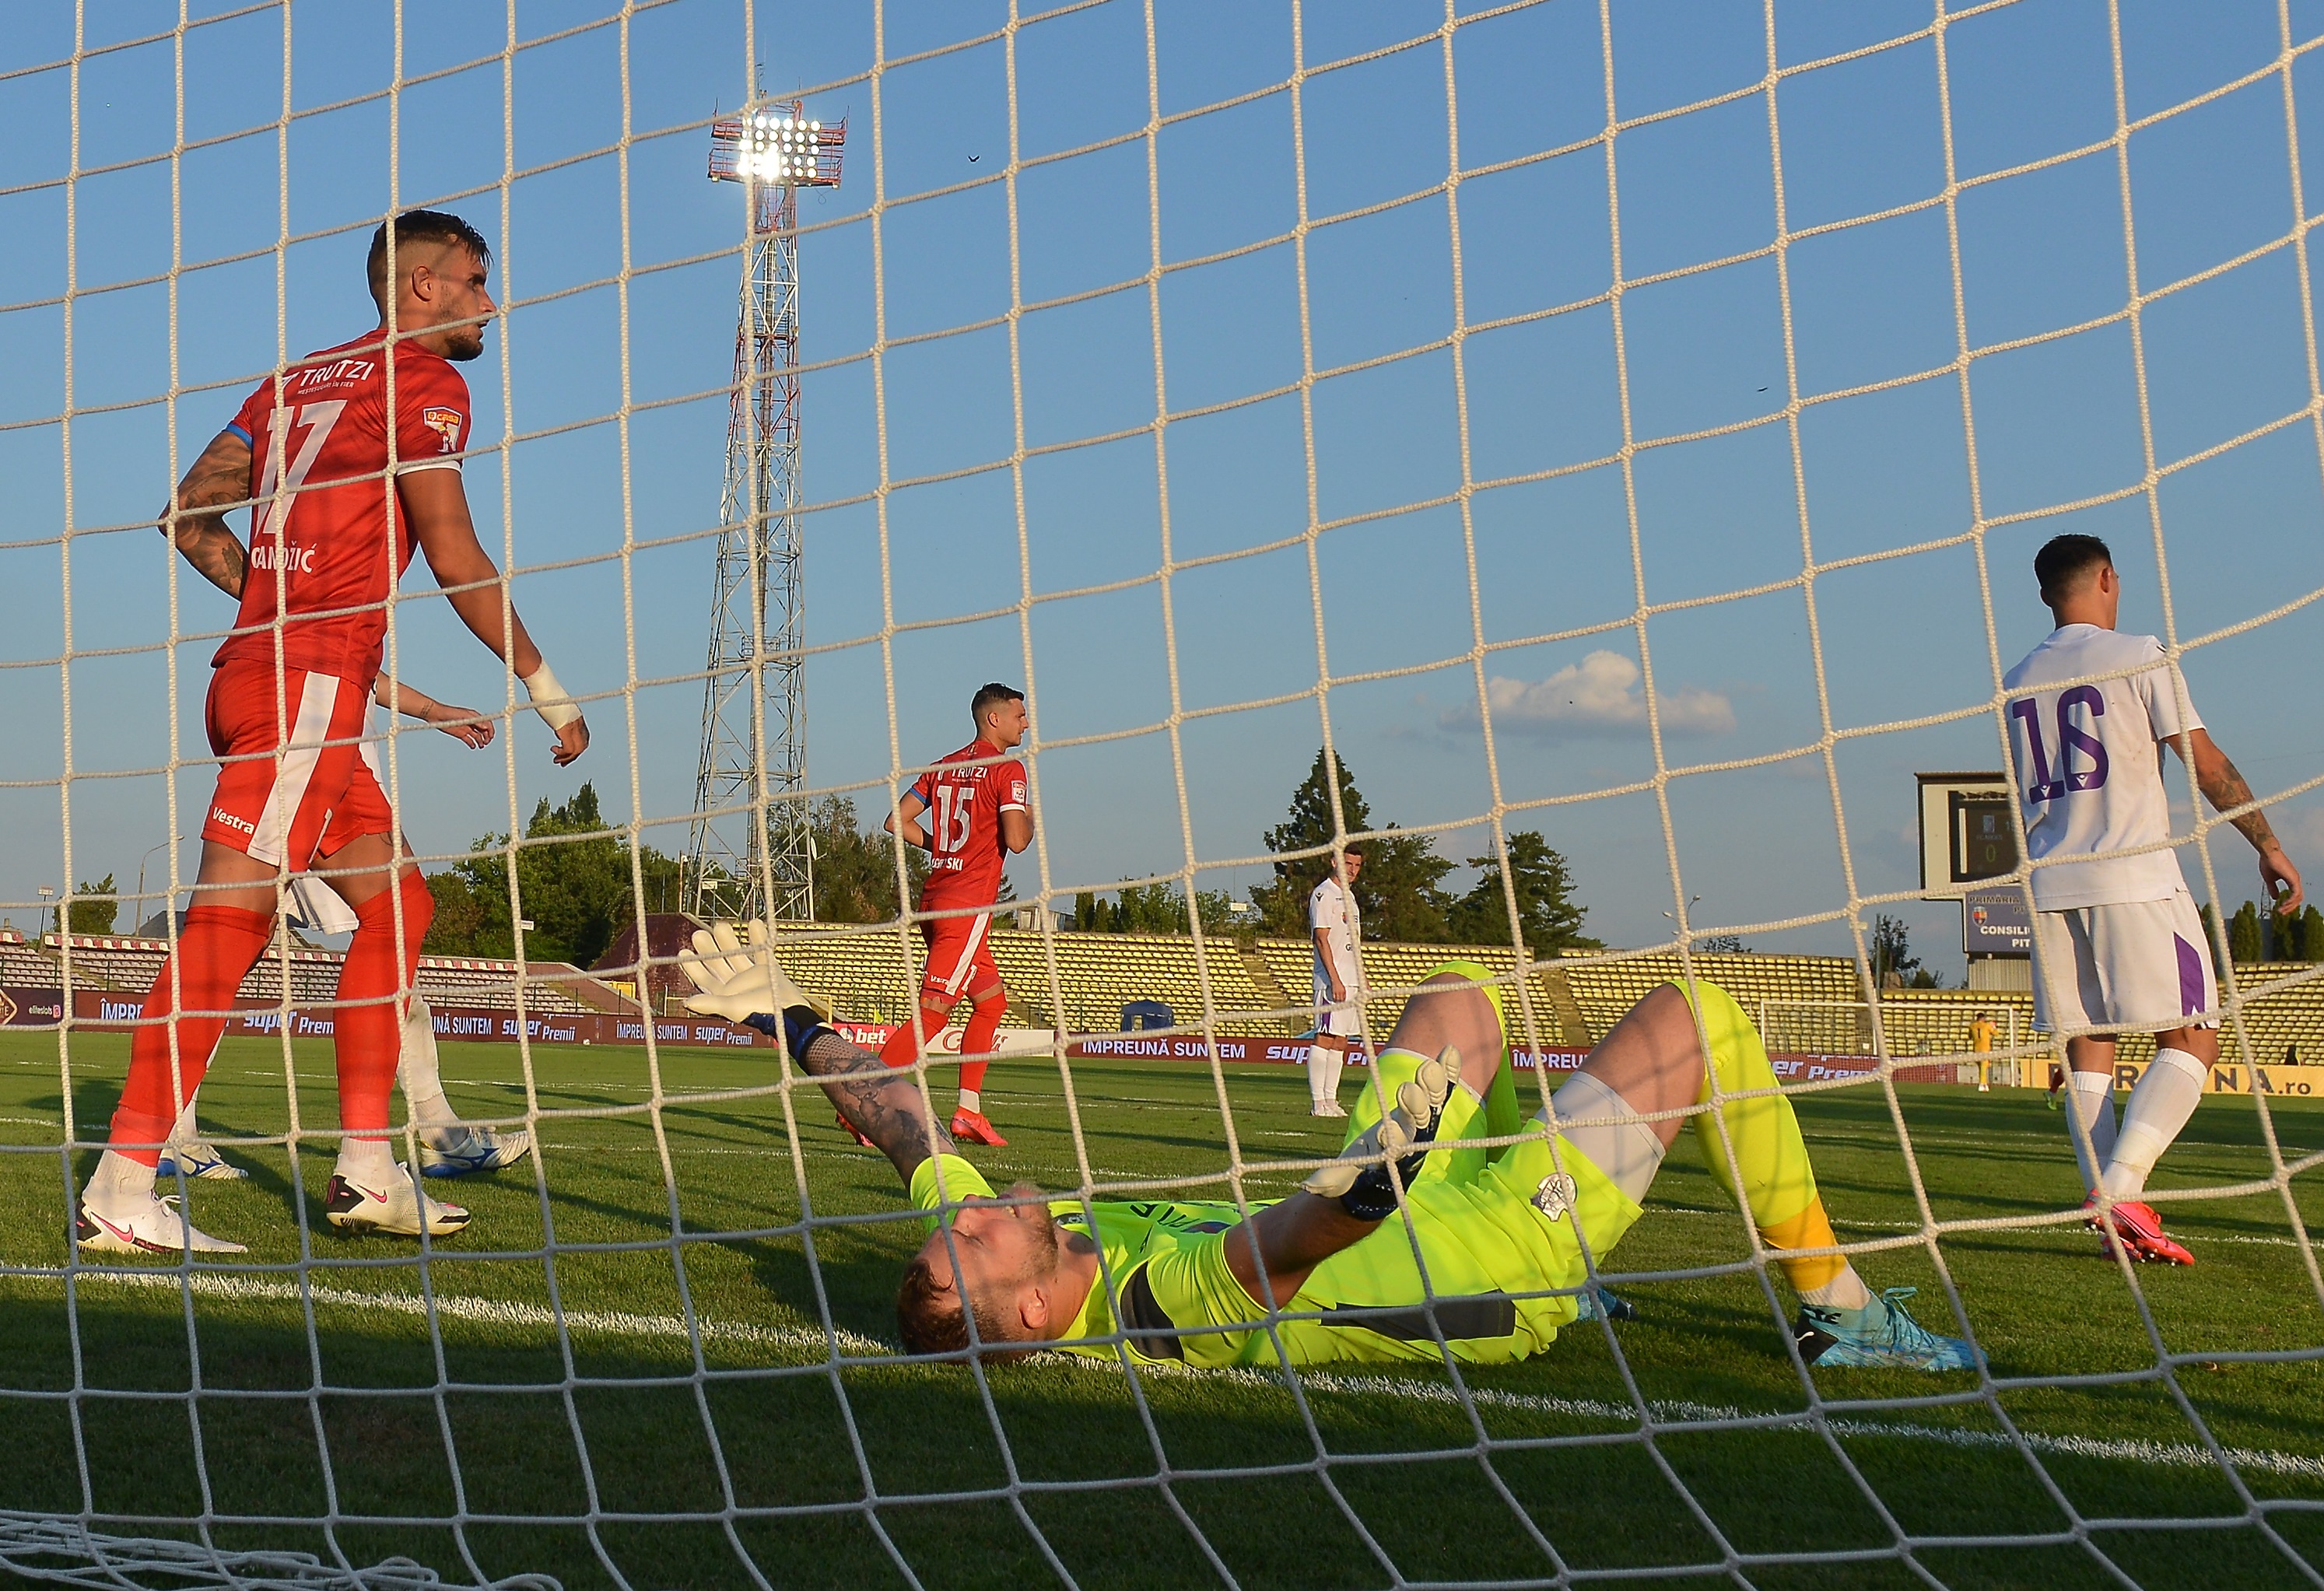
<point x="1555" y="1197"/>
<point x="444" y="423"/>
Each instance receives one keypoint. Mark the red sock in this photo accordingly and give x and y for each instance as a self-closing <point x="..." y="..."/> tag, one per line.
<point x="991" y="1004"/>
<point x="218" y="948"/>
<point x="370" y="1037"/>
<point x="902" y="1047"/>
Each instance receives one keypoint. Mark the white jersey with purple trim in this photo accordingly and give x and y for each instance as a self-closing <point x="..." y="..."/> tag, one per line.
<point x="2088" y="765"/>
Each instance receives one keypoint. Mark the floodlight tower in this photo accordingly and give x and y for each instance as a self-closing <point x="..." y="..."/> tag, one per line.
<point x="747" y="851"/>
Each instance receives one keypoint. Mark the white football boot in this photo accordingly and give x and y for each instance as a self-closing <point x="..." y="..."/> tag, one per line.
<point x="197" y="1159"/>
<point x="154" y="1227"/>
<point x="463" y="1150"/>
<point x="394" y="1207"/>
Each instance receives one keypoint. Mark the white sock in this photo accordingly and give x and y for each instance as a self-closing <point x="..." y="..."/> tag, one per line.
<point x="118" y="1184"/>
<point x="183" y="1131"/>
<point x="1610" y="1136"/>
<point x="368" y="1161"/>
<point x="1316" y="1090"/>
<point x="2089" y="1099"/>
<point x="416" y="1068"/>
<point x="971" y="1100"/>
<point x="1846" y="1290"/>
<point x="2158" y="1107"/>
<point x="1334" y="1062"/>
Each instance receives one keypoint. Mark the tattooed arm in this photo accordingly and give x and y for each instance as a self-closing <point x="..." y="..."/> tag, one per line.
<point x="196" y="518"/>
<point x="886" y="1106"/>
<point x="2228" y="791"/>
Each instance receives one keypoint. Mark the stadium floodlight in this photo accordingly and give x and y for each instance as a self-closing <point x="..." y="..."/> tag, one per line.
<point x="776" y="146"/>
<point x="749" y="820"/>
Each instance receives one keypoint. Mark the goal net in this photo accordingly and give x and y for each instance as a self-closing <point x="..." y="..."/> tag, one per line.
<point x="1610" y="432"/>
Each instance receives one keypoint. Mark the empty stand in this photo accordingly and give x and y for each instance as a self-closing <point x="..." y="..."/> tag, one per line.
<point x="130" y="966"/>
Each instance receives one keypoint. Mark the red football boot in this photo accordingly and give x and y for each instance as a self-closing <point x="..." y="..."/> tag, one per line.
<point x="970" y="1126"/>
<point x="848" y="1128"/>
<point x="2139" y="1230"/>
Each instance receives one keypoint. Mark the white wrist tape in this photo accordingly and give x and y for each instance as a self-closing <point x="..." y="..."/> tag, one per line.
<point x="548" y="698"/>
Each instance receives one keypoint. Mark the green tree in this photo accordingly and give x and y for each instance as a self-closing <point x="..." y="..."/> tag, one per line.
<point x="855" y="872"/>
<point x="1892" y="952"/>
<point x="1158" y="908"/>
<point x="93" y="916"/>
<point x="575" y="876"/>
<point x="1547" y="915"/>
<point x="2311" y="935"/>
<point x="2244" y="943"/>
<point x="1399" y="889"/>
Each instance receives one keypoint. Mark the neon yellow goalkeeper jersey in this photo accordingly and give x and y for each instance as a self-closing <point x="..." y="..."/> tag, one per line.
<point x="1500" y="1269"/>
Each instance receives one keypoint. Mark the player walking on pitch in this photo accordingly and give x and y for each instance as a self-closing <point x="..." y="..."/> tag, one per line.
<point x="448" y="1146"/>
<point x="1335" y="924"/>
<point x="2119" y="946"/>
<point x="1496" y="1243"/>
<point x="982" y="819"/>
<point x="350" y="463"/>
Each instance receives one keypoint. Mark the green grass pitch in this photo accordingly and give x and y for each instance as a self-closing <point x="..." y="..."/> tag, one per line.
<point x="567" y="1455"/>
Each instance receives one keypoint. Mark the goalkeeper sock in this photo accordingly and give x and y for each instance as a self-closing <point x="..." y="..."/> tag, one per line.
<point x="2090" y="1095"/>
<point x="1769" y="1173"/>
<point x="1846" y="1290"/>
<point x="416" y="1068"/>
<point x="2159" y="1109"/>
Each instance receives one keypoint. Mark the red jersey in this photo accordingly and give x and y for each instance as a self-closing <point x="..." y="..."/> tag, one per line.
<point x="964" y="824"/>
<point x="337" y="539"/>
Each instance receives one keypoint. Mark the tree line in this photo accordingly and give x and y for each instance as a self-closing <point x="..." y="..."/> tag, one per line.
<point x="583" y="886"/>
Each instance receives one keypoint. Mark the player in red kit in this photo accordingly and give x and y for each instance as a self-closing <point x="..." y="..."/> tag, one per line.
<point x="349" y="461"/>
<point x="977" y="795"/>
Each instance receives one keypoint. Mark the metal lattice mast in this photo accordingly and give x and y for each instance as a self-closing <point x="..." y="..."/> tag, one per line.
<point x="747" y="851"/>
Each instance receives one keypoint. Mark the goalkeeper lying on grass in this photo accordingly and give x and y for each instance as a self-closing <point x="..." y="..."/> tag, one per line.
<point x="1497" y="1231"/>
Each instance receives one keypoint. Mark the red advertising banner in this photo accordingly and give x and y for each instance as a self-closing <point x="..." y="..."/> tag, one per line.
<point x="104" y="1010"/>
<point x="30" y="1007"/>
<point x="108" y="1011"/>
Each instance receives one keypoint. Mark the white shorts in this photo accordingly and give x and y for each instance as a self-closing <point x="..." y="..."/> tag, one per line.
<point x="2143" y="966"/>
<point x="1337" y="1021"/>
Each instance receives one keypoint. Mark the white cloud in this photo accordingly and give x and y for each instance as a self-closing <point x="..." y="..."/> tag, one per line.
<point x="1602" y="695"/>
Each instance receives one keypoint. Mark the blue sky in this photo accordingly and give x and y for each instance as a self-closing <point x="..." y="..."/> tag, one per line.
<point x="2056" y="421"/>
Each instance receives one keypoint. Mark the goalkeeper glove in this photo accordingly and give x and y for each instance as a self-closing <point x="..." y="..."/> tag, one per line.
<point x="1394" y="1147"/>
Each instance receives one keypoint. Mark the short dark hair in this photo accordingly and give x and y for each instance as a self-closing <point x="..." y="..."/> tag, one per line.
<point x="989" y="696"/>
<point x="1354" y="848"/>
<point x="420" y="226"/>
<point x="929" y="1318"/>
<point x="2062" y="562"/>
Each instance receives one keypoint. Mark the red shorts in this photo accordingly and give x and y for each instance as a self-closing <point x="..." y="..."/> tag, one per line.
<point x="960" y="956"/>
<point x="289" y="799"/>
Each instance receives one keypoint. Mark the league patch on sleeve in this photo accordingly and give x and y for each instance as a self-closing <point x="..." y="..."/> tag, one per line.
<point x="446" y="423"/>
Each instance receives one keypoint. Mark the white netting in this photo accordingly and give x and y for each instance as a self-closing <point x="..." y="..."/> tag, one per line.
<point x="696" y="1364"/>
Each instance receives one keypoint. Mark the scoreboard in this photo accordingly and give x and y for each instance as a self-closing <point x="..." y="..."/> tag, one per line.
<point x="1968" y="835"/>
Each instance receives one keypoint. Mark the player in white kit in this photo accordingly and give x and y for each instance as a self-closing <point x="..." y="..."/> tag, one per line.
<point x="2118" y="945"/>
<point x="1336" y="925"/>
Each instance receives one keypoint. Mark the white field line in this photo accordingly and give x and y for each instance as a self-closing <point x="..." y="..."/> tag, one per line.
<point x="484" y="1311"/>
<point x="2127" y="1449"/>
<point x="2122" y="1449"/>
<point x="669" y="1327"/>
